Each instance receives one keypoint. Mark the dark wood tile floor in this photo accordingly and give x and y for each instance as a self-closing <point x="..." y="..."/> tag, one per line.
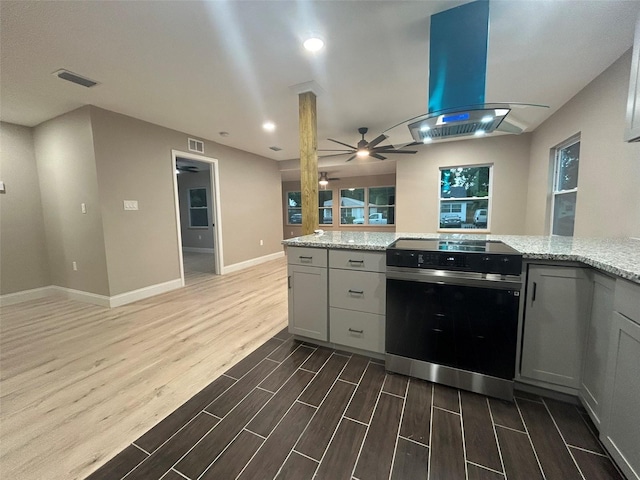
<point x="291" y="410"/>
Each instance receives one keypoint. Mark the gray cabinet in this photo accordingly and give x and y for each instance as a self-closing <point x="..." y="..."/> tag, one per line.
<point x="596" y="349"/>
<point x="557" y="305"/>
<point x="632" y="132"/>
<point x="357" y="299"/>
<point x="308" y="312"/>
<point x="620" y="427"/>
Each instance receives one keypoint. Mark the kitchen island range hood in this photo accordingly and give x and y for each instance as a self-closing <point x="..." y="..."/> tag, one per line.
<point x="458" y="44"/>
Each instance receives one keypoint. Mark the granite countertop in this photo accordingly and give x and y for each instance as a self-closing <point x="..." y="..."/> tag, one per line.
<point x="617" y="256"/>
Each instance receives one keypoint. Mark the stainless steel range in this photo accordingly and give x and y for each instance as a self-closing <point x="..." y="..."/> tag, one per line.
<point x="452" y="312"/>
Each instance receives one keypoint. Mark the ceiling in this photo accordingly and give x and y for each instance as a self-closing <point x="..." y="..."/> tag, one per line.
<point x="228" y="66"/>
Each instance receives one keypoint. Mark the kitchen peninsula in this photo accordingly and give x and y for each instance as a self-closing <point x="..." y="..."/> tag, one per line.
<point x="578" y="321"/>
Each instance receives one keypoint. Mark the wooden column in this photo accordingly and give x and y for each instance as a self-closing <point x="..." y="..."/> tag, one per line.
<point x="308" y="161"/>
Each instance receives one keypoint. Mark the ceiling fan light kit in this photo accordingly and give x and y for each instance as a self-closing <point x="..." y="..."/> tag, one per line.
<point x="368" y="149"/>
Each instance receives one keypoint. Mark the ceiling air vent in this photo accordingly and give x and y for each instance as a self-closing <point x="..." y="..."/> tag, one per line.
<point x="75" y="78"/>
<point x="196" y="145"/>
<point x="275" y="149"/>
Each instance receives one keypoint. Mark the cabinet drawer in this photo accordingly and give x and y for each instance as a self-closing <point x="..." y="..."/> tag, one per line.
<point x="316" y="257"/>
<point x="358" y="260"/>
<point x="362" y="291"/>
<point x="357" y="329"/>
<point x="627" y="300"/>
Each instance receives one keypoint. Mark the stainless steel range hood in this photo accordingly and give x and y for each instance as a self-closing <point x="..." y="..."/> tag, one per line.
<point x="477" y="120"/>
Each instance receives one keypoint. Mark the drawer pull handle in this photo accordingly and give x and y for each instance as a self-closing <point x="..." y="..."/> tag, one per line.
<point x="359" y="262"/>
<point x="356" y="331"/>
<point x="301" y="257"/>
<point x="356" y="292"/>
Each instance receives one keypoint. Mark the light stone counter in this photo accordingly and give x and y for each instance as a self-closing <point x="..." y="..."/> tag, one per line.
<point x="617" y="256"/>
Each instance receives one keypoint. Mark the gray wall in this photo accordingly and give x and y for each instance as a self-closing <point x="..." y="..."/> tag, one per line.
<point x="67" y="174"/>
<point x="195" y="237"/>
<point x="23" y="251"/>
<point x="133" y="160"/>
<point x="418" y="181"/>
<point x="608" y="202"/>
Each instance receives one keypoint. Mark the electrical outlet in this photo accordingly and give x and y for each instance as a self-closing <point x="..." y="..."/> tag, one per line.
<point x="199" y="237"/>
<point x="75" y="266"/>
<point x="130" y="204"/>
<point x="83" y="207"/>
<point x="261" y="243"/>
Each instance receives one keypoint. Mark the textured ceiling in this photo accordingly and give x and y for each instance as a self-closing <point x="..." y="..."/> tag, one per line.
<point x="206" y="67"/>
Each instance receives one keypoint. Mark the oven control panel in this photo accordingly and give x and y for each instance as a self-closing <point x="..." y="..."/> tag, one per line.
<point x="504" y="264"/>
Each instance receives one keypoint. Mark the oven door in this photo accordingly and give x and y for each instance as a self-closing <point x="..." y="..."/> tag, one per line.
<point x="458" y="321"/>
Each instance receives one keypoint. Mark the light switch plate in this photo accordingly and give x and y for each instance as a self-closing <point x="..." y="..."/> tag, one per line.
<point x="131" y="205"/>
<point x="2" y="187"/>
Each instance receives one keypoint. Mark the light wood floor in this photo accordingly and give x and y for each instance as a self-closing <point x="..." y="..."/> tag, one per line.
<point x="78" y="383"/>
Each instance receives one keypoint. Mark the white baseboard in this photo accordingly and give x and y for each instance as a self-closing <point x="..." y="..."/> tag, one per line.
<point x="146" y="292"/>
<point x="25" y="295"/>
<point x="250" y="263"/>
<point x="88" y="297"/>
<point x="198" y="250"/>
<point x="81" y="296"/>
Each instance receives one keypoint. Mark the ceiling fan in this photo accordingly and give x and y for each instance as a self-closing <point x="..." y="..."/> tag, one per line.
<point x="187" y="168"/>
<point x="324" y="179"/>
<point x="367" y="149"/>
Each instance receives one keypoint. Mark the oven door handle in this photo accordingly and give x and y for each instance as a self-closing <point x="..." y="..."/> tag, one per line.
<point x="467" y="279"/>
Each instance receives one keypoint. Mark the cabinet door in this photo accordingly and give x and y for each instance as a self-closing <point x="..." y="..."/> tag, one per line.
<point x="555" y="322"/>
<point x="632" y="132"/>
<point x="308" y="307"/>
<point x="597" y="346"/>
<point x="620" y="431"/>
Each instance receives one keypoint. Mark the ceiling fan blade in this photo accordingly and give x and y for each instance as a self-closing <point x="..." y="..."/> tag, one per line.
<point x="378" y="156"/>
<point x="334" y="155"/>
<point x="351" y="158"/>
<point x="377" y="140"/>
<point x="342" y="143"/>
<point x="399" y="151"/>
<point x="334" y="150"/>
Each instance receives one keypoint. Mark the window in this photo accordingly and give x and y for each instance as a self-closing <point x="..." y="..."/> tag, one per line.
<point x="464" y="197"/>
<point x="370" y="206"/>
<point x="352" y="206"/>
<point x="198" y="211"/>
<point x="325" y="207"/>
<point x="325" y="204"/>
<point x="294" y="207"/>
<point x="565" y="186"/>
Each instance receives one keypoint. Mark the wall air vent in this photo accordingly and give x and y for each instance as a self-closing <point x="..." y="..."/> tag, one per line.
<point x="196" y="145"/>
<point x="75" y="78"/>
<point x="275" y="149"/>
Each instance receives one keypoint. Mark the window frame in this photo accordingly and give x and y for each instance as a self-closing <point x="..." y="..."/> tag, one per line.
<point x="555" y="193"/>
<point x="320" y="208"/>
<point x="366" y="206"/>
<point x="488" y="198"/>
<point x="190" y="208"/>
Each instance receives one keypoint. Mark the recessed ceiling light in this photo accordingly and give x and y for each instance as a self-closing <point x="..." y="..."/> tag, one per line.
<point x="269" y="126"/>
<point x="313" y="44"/>
<point x="224" y="134"/>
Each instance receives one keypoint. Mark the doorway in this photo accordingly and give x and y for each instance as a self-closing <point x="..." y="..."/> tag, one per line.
<point x="197" y="205"/>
